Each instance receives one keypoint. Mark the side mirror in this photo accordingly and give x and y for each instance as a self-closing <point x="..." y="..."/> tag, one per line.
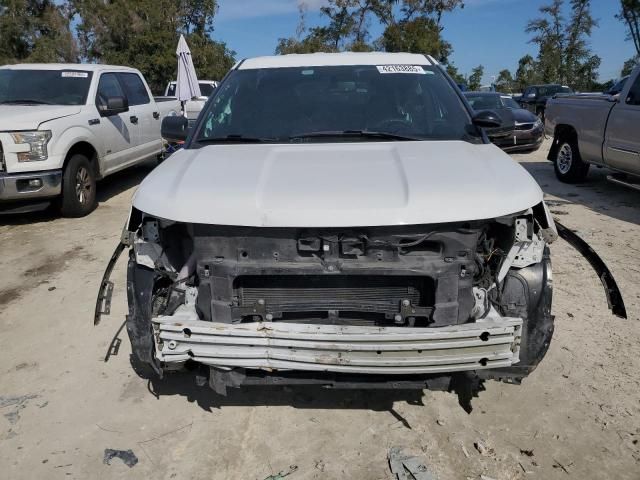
<point x="175" y="128"/>
<point x="487" y="119"/>
<point x="114" y="106"/>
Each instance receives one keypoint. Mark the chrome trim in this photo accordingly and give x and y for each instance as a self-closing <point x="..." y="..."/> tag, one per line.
<point x="51" y="185"/>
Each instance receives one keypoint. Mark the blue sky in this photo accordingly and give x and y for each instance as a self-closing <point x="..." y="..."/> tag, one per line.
<point x="487" y="32"/>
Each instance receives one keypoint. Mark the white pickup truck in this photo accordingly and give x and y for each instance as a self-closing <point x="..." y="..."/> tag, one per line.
<point x="64" y="126"/>
<point x="194" y="106"/>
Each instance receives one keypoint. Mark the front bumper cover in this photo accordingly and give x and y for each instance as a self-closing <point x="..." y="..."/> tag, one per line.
<point x="491" y="343"/>
<point x="15" y="186"/>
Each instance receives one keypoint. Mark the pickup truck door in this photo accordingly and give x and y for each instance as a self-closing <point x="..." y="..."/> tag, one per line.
<point x="622" y="138"/>
<point x="118" y="135"/>
<point x="146" y="114"/>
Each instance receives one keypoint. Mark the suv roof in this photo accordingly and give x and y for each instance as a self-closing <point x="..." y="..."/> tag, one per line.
<point x="335" y="59"/>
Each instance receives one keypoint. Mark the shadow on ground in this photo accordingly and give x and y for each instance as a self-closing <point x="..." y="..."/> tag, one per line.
<point x="303" y="396"/>
<point x="595" y="193"/>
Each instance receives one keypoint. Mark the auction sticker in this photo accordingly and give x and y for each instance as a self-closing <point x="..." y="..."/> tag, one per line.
<point x="400" y="69"/>
<point x="75" y="75"/>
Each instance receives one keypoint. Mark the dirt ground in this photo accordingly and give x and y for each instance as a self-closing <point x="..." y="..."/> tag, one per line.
<point x="62" y="405"/>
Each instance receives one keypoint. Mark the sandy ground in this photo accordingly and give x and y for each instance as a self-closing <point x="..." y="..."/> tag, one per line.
<point x="62" y="405"/>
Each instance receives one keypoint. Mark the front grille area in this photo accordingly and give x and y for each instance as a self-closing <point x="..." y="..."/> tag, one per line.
<point x="524" y="126"/>
<point x="404" y="276"/>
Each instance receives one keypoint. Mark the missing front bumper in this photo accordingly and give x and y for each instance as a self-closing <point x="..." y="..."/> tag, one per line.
<point x="492" y="343"/>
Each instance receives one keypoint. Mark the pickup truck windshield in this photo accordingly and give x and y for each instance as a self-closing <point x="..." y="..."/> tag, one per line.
<point x="44" y="87"/>
<point x="335" y="103"/>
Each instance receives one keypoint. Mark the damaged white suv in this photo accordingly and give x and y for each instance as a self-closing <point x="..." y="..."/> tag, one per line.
<point x="338" y="219"/>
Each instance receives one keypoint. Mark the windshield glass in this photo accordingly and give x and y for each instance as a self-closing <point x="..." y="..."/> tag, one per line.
<point x="206" y="89"/>
<point x="509" y="102"/>
<point x="47" y="87"/>
<point x="484" y="102"/>
<point x="332" y="102"/>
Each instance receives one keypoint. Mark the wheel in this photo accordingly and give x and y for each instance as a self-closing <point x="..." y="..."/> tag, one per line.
<point x="568" y="165"/>
<point x="78" y="188"/>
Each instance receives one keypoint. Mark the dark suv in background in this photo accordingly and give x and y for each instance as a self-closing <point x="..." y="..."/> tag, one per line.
<point x="535" y="97"/>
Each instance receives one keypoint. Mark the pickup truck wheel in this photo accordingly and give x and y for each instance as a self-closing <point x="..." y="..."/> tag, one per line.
<point x="568" y="165"/>
<point x="78" y="188"/>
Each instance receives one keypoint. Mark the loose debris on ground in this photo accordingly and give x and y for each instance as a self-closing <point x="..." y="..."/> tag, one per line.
<point x="407" y="467"/>
<point x="127" y="456"/>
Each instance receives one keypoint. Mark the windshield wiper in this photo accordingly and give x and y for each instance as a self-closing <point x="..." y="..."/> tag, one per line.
<point x="27" y="101"/>
<point x="355" y="133"/>
<point x="236" y="139"/>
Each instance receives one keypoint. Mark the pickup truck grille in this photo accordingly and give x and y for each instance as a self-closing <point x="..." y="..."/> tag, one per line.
<point x="3" y="167"/>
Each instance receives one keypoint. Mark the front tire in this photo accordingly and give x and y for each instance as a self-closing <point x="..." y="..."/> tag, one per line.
<point x="78" y="188"/>
<point x="568" y="164"/>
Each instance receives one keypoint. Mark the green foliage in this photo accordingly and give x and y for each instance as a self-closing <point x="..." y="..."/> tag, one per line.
<point x="629" y="65"/>
<point x="420" y="35"/>
<point x="474" y="82"/>
<point x="144" y="34"/>
<point x="413" y="27"/>
<point x="454" y="74"/>
<point x="35" y="31"/>
<point x="505" y="82"/>
<point x="526" y="73"/>
<point x="564" y="55"/>
<point x="630" y="15"/>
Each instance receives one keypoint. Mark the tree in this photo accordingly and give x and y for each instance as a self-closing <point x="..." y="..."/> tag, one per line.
<point x="421" y="35"/>
<point x="629" y="65"/>
<point x="563" y="52"/>
<point x="35" y="31"/>
<point x="144" y="34"/>
<point x="526" y="73"/>
<point x="409" y="25"/>
<point x="505" y="81"/>
<point x="630" y="14"/>
<point x="474" y="82"/>
<point x="457" y="77"/>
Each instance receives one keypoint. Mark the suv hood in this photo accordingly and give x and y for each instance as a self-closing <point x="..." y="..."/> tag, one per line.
<point x="29" y="117"/>
<point x="337" y="184"/>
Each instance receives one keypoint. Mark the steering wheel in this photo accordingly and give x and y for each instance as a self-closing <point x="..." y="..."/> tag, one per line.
<point x="393" y="125"/>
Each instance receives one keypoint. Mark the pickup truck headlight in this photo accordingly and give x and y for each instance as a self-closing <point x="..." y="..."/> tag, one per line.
<point x="37" y="141"/>
<point x="538" y="124"/>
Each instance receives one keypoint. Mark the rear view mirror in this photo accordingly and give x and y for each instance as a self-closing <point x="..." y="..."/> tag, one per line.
<point x="114" y="106"/>
<point x="175" y="128"/>
<point x="487" y="119"/>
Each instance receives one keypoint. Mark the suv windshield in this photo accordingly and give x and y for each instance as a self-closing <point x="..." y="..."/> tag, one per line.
<point x="44" y="87"/>
<point x="316" y="104"/>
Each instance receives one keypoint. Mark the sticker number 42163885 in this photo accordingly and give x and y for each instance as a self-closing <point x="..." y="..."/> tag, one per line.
<point x="401" y="69"/>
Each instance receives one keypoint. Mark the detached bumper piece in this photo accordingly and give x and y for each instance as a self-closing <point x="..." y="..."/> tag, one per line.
<point x="331" y="348"/>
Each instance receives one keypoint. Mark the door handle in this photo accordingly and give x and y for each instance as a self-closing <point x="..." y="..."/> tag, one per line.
<point x="156" y="115"/>
<point x="134" y="119"/>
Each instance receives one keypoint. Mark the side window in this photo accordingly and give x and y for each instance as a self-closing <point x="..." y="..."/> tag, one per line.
<point x="135" y="89"/>
<point x="633" y="98"/>
<point x="108" y="86"/>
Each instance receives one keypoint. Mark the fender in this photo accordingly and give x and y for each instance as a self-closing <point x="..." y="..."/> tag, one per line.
<point x="76" y="134"/>
<point x="611" y="290"/>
